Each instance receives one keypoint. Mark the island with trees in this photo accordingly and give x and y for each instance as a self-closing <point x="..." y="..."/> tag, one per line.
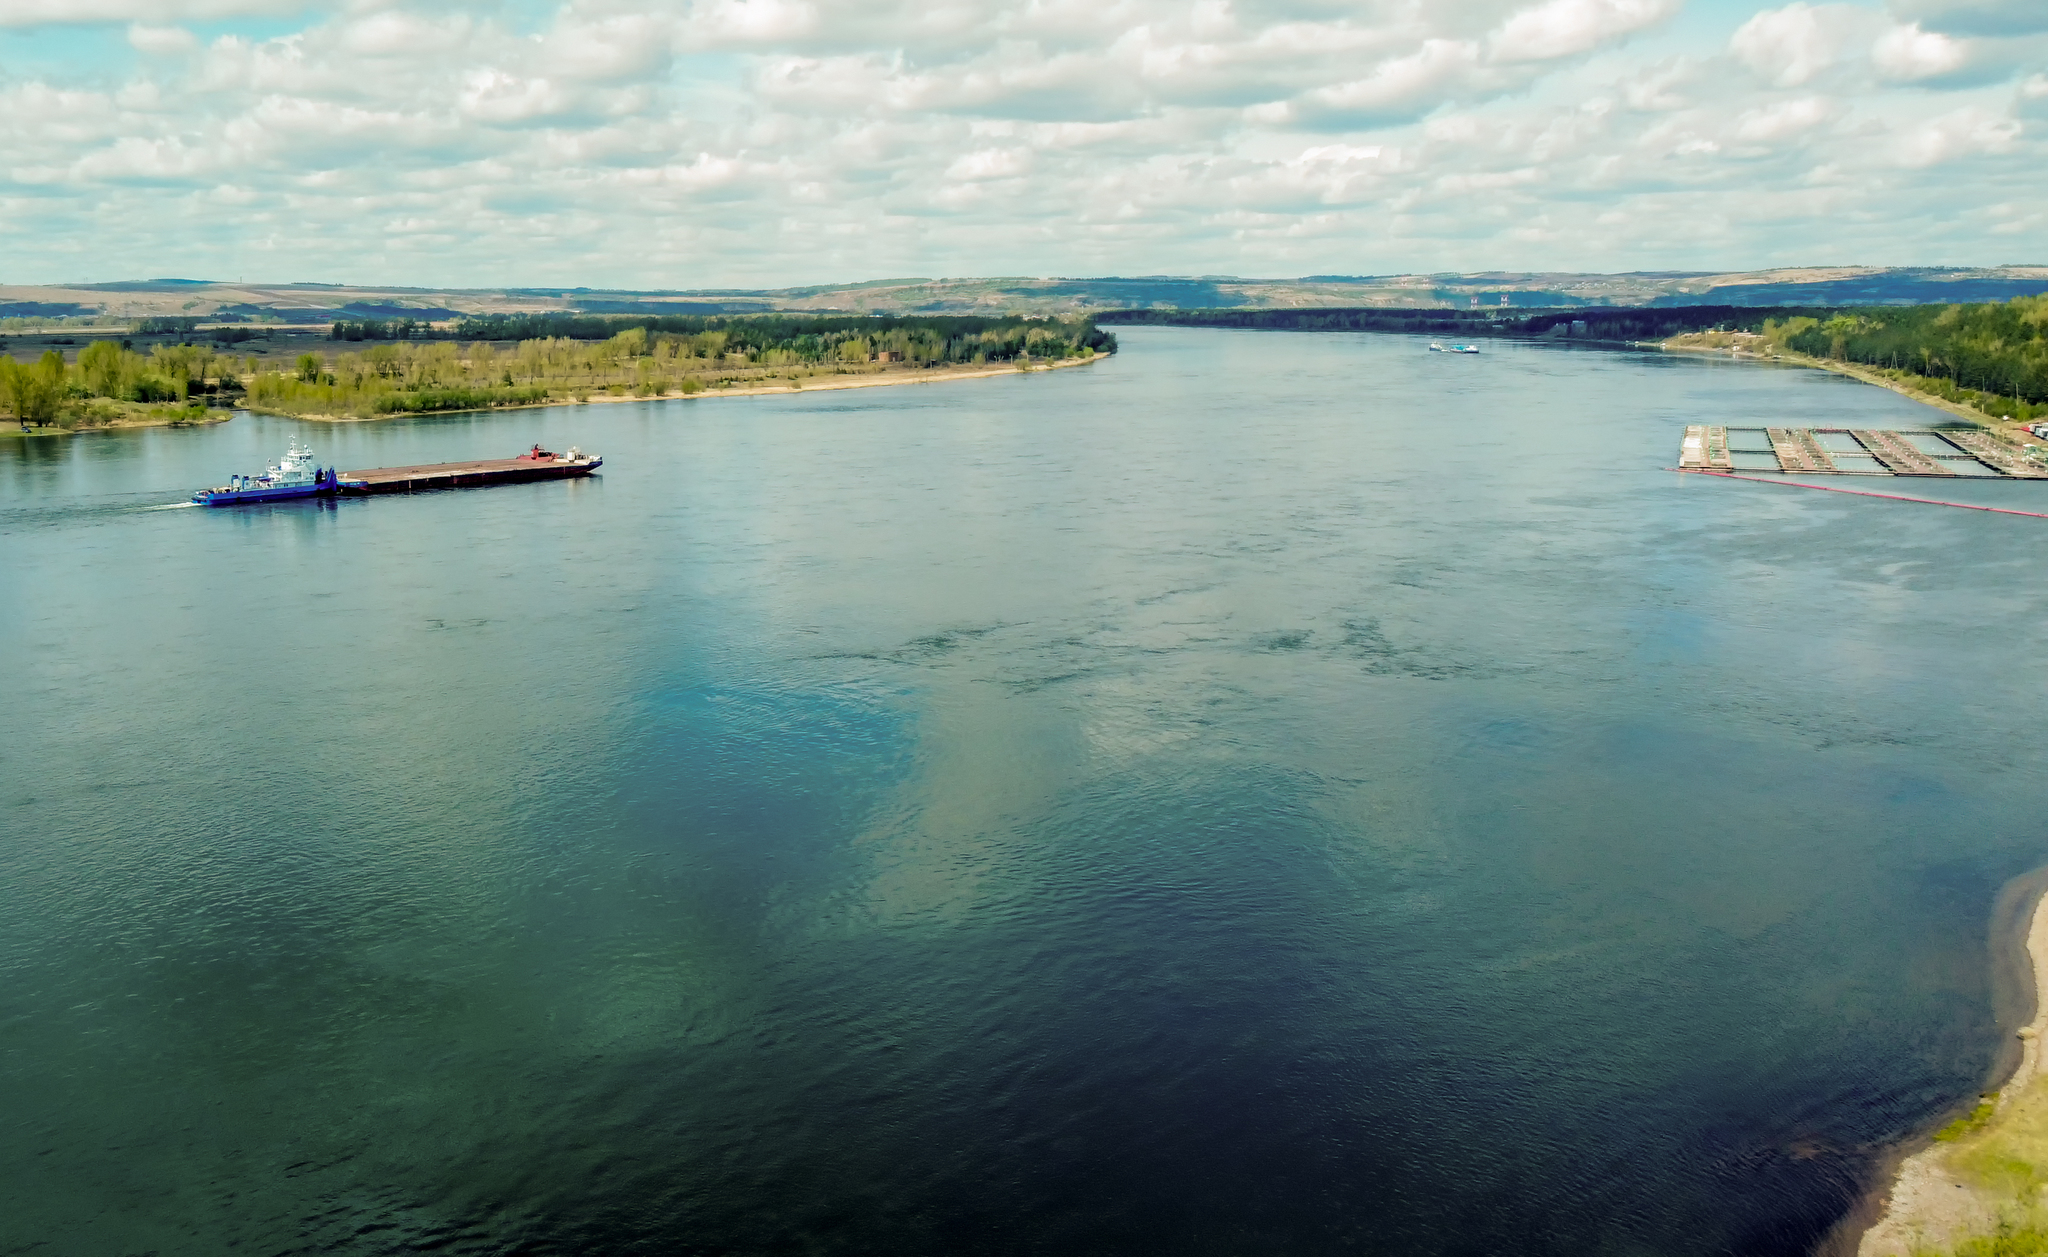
<point x="372" y="368"/>
<point x="524" y="360"/>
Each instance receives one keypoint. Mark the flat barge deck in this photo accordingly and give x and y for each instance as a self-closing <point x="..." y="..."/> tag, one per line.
<point x="465" y="475"/>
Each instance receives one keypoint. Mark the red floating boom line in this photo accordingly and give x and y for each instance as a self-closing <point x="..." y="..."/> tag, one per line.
<point x="1861" y="493"/>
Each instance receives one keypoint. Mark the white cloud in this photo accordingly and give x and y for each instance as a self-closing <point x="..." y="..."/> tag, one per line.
<point x="1397" y="88"/>
<point x="989" y="163"/>
<point x="1962" y="133"/>
<point x="72" y="12"/>
<point x="762" y="141"/>
<point x="1563" y="28"/>
<point x="628" y="47"/>
<point x="147" y="160"/>
<point x="1791" y="46"/>
<point x="395" y="33"/>
<point x="726" y="22"/>
<point x="162" y="41"/>
<point x="1908" y="53"/>
<point x="495" y="96"/>
<point x="1975" y="17"/>
<point x="1782" y="120"/>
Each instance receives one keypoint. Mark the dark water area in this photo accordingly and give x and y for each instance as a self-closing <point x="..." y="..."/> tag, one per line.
<point x="1264" y="793"/>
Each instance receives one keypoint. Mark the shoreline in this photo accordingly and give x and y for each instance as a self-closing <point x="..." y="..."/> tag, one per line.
<point x="1924" y="1203"/>
<point x="213" y="415"/>
<point x="882" y="379"/>
<point x="1854" y="371"/>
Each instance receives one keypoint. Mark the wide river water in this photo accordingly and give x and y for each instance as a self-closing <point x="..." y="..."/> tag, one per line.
<point x="1263" y="793"/>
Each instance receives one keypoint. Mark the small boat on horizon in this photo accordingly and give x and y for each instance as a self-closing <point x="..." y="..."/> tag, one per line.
<point x="1437" y="347"/>
<point x="1464" y="349"/>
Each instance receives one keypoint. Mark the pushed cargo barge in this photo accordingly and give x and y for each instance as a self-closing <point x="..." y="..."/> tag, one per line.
<point x="535" y="464"/>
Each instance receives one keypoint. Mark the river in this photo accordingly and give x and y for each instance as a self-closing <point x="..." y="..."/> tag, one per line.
<point x="1260" y="793"/>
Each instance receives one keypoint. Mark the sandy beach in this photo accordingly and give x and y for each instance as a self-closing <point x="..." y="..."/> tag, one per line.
<point x="1932" y="1204"/>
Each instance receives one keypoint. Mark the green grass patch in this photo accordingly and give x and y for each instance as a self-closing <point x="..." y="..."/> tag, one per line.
<point x="1970" y="1123"/>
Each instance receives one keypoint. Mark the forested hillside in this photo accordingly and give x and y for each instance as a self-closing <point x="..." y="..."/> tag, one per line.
<point x="1994" y="352"/>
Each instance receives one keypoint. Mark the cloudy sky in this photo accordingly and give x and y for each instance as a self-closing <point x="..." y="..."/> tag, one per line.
<point x="705" y="143"/>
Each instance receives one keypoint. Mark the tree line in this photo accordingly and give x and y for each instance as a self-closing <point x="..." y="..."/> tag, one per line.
<point x="822" y="337"/>
<point x="807" y="338"/>
<point x="646" y="357"/>
<point x="380" y="329"/>
<point x="1992" y="355"/>
<point x="49" y="391"/>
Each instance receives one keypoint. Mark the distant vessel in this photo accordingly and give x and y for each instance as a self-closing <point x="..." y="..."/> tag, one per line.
<point x="1436" y="347"/>
<point x="1464" y="349"/>
<point x="293" y="476"/>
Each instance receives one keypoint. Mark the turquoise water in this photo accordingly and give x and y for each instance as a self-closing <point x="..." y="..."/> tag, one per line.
<point x="1263" y="793"/>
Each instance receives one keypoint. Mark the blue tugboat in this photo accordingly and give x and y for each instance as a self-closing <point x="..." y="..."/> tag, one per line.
<point x="293" y="476"/>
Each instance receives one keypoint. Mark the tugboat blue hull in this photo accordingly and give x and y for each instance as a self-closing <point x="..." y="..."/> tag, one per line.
<point x="242" y="497"/>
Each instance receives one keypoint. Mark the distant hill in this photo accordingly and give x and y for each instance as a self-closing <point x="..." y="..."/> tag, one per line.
<point x="313" y="303"/>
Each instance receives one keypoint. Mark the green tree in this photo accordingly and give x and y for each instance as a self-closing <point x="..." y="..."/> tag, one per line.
<point x="33" y="391"/>
<point x="99" y="368"/>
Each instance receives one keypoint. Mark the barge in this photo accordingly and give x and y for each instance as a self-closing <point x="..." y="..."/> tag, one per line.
<point x="535" y="464"/>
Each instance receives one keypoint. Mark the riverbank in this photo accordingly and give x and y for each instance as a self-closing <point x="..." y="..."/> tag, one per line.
<point x="1755" y="346"/>
<point x="1983" y="1174"/>
<point x="887" y="378"/>
<point x="129" y="415"/>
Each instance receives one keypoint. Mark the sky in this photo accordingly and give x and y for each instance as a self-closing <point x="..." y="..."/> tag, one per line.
<point x="768" y="143"/>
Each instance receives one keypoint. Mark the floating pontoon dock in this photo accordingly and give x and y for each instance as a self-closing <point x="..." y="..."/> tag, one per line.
<point x="1944" y="452"/>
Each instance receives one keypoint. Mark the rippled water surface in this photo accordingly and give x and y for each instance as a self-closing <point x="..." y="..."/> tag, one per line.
<point x="1261" y="794"/>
